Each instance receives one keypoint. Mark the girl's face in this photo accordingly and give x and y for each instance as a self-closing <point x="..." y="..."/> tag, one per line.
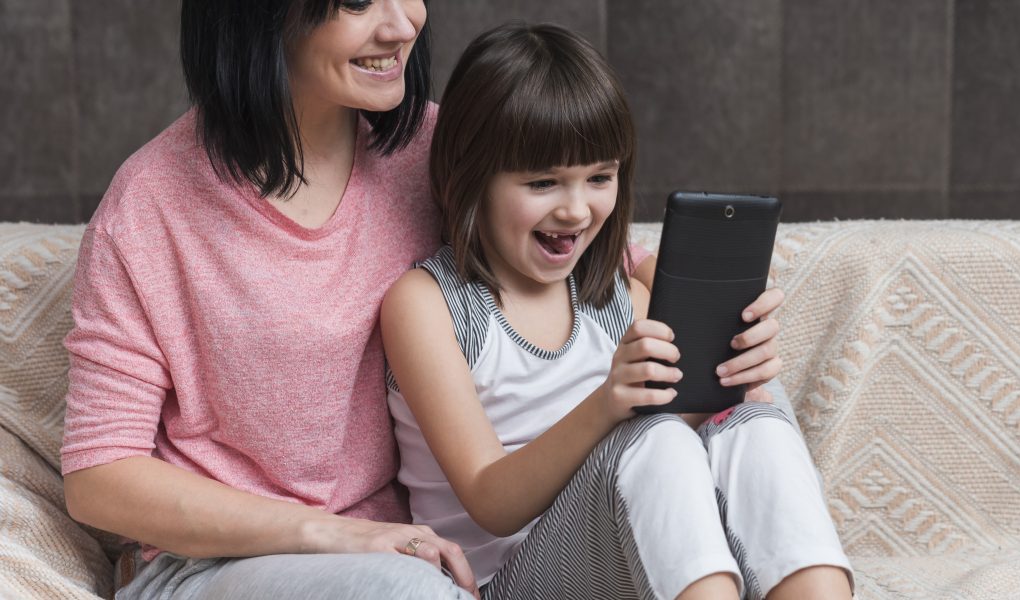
<point x="356" y="59"/>
<point x="535" y="226"/>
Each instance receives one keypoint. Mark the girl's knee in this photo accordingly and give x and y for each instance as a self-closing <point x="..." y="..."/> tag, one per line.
<point x="743" y="414"/>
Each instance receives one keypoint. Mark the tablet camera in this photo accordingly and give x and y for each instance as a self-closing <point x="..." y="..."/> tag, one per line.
<point x="729" y="211"/>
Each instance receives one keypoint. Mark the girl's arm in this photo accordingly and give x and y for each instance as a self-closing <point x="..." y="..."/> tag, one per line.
<point x="152" y="501"/>
<point x="504" y="492"/>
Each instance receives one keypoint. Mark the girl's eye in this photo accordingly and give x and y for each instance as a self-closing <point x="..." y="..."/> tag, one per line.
<point x="541" y="184"/>
<point x="355" y="6"/>
<point x="600" y="178"/>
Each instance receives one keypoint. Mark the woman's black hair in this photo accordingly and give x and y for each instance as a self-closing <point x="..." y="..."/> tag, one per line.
<point x="235" y="67"/>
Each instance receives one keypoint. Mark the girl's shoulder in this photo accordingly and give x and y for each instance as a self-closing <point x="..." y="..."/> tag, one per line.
<point x="639" y="298"/>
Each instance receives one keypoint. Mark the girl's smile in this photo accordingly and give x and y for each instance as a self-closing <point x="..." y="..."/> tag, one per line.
<point x="535" y="226"/>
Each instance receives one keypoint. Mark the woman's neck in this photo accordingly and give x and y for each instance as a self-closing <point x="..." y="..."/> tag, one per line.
<point x="328" y="137"/>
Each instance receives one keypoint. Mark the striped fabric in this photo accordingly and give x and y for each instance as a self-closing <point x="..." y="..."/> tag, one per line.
<point x="583" y="546"/>
<point x="471" y="305"/>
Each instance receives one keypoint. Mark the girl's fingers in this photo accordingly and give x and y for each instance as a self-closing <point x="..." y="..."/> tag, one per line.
<point x="647" y="328"/>
<point x="759" y="333"/>
<point x="768" y="301"/>
<point x="647" y="348"/>
<point x="640" y="372"/>
<point x="760" y="373"/>
<point x="747" y="359"/>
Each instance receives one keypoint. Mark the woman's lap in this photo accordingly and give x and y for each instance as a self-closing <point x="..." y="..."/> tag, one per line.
<point x="291" y="577"/>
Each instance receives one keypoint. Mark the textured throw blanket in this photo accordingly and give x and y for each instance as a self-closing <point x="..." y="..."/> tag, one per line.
<point x="901" y="343"/>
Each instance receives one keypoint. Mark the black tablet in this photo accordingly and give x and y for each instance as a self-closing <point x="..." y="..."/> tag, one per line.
<point x="713" y="262"/>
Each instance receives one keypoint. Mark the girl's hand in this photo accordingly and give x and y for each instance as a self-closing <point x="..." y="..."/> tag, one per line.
<point x="759" y="362"/>
<point x="634" y="363"/>
<point x="346" y="535"/>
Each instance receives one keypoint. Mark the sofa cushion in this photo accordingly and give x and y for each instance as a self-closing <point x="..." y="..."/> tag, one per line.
<point x="44" y="553"/>
<point x="36" y="268"/>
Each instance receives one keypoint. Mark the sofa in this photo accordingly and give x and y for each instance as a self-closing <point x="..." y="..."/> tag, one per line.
<point x="901" y="344"/>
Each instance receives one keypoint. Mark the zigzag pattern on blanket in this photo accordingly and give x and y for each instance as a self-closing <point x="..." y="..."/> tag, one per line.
<point x="901" y="343"/>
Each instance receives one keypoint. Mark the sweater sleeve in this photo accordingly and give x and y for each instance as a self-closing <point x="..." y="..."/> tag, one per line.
<point x="118" y="377"/>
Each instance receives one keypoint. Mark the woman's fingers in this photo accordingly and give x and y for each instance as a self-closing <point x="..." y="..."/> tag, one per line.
<point x="442" y="554"/>
<point x="452" y="558"/>
<point x="768" y="301"/>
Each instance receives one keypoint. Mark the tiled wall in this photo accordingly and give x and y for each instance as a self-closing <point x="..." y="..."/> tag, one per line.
<point x="845" y="108"/>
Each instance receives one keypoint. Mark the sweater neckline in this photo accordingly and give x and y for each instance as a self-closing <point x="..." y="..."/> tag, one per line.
<point x="351" y="195"/>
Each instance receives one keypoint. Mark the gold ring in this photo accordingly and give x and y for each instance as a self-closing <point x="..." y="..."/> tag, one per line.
<point x="412" y="546"/>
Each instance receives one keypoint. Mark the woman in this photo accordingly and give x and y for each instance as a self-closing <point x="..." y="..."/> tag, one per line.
<point x="226" y="385"/>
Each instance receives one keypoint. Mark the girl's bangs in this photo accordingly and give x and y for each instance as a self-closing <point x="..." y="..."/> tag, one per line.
<point x="562" y="122"/>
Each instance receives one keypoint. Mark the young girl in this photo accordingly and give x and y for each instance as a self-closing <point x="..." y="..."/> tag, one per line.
<point x="519" y="350"/>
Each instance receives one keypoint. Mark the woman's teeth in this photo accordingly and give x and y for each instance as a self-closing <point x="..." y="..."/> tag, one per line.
<point x="376" y="64"/>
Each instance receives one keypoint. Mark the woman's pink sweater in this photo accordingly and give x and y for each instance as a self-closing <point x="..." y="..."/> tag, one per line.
<point x="214" y="333"/>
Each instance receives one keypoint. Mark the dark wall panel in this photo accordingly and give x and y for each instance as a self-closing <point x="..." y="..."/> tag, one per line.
<point x="865" y="89"/>
<point x="985" y="175"/>
<point x="702" y="78"/>
<point x="130" y="85"/>
<point x="456" y="22"/>
<point x="37" y="112"/>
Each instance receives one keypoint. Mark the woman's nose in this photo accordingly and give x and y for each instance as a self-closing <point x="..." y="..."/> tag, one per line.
<point x="397" y="24"/>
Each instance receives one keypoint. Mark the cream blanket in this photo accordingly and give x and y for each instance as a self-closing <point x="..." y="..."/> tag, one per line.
<point x="900" y="339"/>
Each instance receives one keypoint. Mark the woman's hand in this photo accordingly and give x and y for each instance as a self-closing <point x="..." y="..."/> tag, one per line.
<point x="759" y="361"/>
<point x="346" y="535"/>
<point x="634" y="363"/>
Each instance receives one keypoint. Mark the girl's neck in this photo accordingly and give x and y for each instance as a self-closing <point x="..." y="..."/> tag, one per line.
<point x="542" y="314"/>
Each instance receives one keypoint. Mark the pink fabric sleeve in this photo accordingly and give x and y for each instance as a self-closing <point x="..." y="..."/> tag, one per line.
<point x="118" y="376"/>
<point x="638" y="254"/>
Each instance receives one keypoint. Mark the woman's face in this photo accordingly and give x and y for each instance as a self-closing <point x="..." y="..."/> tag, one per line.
<point x="356" y="59"/>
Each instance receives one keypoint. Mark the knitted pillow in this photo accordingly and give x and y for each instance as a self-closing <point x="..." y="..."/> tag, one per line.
<point x="36" y="269"/>
<point x="43" y="553"/>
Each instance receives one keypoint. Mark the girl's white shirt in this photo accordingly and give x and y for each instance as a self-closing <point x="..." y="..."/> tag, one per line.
<point x="524" y="390"/>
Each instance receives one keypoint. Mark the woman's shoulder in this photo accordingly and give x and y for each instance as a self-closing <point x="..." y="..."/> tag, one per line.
<point x="161" y="169"/>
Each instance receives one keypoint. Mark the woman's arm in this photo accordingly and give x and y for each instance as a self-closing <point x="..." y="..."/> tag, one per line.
<point x="503" y="492"/>
<point x="149" y="500"/>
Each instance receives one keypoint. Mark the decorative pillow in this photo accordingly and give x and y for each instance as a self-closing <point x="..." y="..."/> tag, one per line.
<point x="43" y="553"/>
<point x="36" y="269"/>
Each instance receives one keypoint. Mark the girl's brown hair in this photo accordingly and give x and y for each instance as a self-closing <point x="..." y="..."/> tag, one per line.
<point x="530" y="98"/>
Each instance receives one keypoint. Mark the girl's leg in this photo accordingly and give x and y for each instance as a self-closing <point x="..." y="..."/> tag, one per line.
<point x="291" y="577"/>
<point x="770" y="498"/>
<point x="638" y="520"/>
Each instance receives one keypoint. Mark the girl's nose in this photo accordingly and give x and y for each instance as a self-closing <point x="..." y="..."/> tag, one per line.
<point x="574" y="208"/>
<point x="396" y="24"/>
